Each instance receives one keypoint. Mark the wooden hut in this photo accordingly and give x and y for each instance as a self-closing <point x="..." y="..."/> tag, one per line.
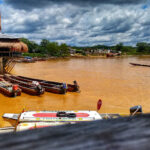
<point x="10" y="47"/>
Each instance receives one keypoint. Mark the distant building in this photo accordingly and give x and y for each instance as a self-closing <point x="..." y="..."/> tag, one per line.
<point x="72" y="50"/>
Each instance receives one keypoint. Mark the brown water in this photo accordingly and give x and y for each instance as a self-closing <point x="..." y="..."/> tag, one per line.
<point x="118" y="84"/>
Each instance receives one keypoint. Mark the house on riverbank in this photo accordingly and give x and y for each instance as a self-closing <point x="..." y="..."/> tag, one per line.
<point x="10" y="47"/>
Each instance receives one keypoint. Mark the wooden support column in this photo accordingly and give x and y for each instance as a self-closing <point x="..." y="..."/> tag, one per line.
<point x="1" y="65"/>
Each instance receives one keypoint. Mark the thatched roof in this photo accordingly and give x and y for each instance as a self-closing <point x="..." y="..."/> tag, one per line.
<point x="14" y="46"/>
<point x="12" y="43"/>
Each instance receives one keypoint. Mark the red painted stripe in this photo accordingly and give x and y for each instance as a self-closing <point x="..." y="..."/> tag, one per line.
<point x="45" y="115"/>
<point x="82" y="115"/>
<point x="54" y="115"/>
<point x="39" y="127"/>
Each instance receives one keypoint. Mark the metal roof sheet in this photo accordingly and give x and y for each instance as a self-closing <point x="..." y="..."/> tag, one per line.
<point x="4" y="36"/>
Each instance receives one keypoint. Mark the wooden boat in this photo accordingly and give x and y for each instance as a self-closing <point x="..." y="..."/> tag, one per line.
<point x="70" y="87"/>
<point x="53" y="88"/>
<point x="8" y="89"/>
<point x="112" y="54"/>
<point x="46" y="84"/>
<point x="28" y="60"/>
<point x="39" y="59"/>
<point x="135" y="64"/>
<point x="28" y="88"/>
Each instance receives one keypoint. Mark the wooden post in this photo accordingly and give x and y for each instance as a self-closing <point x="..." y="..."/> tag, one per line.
<point x="1" y="65"/>
<point x="0" y="23"/>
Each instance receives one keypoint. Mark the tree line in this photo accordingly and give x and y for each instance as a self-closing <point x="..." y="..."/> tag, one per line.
<point x="48" y="48"/>
<point x="139" y="49"/>
<point x="62" y="50"/>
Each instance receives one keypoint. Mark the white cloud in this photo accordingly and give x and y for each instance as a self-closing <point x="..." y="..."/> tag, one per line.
<point x="77" y="25"/>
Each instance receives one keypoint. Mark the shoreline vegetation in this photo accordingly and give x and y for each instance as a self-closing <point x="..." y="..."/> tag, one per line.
<point x="54" y="50"/>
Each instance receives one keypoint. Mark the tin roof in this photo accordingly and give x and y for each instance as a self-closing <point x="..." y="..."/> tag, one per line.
<point x="4" y="36"/>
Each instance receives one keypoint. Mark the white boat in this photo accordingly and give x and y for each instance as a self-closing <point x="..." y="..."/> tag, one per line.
<point x="55" y="116"/>
<point x="11" y="116"/>
<point x="35" y="125"/>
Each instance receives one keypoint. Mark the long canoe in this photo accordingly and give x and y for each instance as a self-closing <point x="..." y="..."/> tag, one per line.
<point x="70" y="87"/>
<point x="53" y="88"/>
<point x="26" y="87"/>
<point x="135" y="64"/>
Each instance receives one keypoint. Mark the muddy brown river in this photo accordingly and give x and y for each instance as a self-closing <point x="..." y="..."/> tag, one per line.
<point x="114" y="80"/>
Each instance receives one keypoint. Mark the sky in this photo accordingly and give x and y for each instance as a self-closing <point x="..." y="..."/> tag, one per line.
<point x="78" y="22"/>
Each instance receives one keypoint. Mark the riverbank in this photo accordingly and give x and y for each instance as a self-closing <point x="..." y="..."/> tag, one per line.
<point x="38" y="55"/>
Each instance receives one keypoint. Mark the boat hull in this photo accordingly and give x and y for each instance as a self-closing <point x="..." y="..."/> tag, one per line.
<point x="53" y="88"/>
<point x="51" y="116"/>
<point x="10" y="94"/>
<point x="26" y="88"/>
<point x="70" y="87"/>
<point x="35" y="125"/>
<point x="143" y="65"/>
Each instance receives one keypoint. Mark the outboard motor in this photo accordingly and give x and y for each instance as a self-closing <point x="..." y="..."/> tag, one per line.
<point x="15" y="90"/>
<point x="136" y="110"/>
<point x="76" y="86"/>
<point x="41" y="89"/>
<point x="38" y="86"/>
<point x="64" y="88"/>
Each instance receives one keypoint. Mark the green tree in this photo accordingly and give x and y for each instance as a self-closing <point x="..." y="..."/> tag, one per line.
<point x="64" y="50"/>
<point x="142" y="47"/>
<point x="119" y="47"/>
<point x="43" y="46"/>
<point x="33" y="47"/>
<point x="53" y="49"/>
<point x="47" y="47"/>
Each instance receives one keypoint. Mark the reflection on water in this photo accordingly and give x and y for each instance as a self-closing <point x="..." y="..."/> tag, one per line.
<point x="117" y="83"/>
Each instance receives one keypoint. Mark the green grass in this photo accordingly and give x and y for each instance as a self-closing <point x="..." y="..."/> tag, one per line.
<point x="34" y="54"/>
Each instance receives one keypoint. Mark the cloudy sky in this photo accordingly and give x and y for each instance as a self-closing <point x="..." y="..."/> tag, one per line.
<point x="78" y="22"/>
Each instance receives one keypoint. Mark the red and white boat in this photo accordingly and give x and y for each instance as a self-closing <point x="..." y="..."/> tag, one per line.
<point x="39" y="119"/>
<point x="35" y="125"/>
<point x="55" y="116"/>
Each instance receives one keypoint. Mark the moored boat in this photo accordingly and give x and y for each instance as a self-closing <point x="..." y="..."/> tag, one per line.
<point x="8" y="89"/>
<point x="53" y="88"/>
<point x="143" y="65"/>
<point x="28" y="88"/>
<point x="34" y="125"/>
<point x="39" y="119"/>
<point x="70" y="87"/>
<point x="55" y="116"/>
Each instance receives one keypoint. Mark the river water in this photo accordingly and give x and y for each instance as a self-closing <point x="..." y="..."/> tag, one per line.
<point x="114" y="80"/>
